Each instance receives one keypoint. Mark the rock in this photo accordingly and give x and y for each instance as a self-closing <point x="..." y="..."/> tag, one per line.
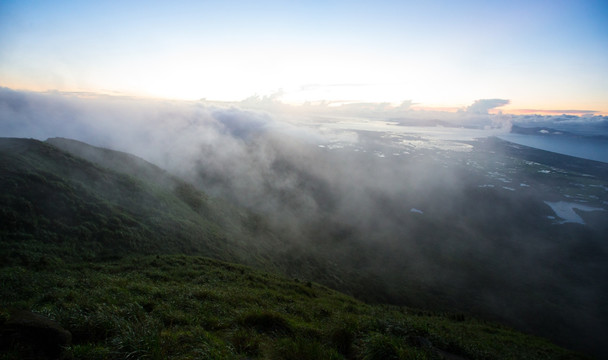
<point x="33" y="336"/>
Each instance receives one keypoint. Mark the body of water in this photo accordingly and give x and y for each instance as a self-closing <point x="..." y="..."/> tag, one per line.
<point x="583" y="147"/>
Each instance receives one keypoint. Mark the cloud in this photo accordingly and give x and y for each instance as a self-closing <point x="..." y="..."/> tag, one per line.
<point x="477" y="115"/>
<point x="242" y="125"/>
<point x="483" y="106"/>
<point x="586" y="125"/>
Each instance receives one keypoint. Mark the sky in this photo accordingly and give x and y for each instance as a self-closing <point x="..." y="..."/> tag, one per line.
<point x="536" y="55"/>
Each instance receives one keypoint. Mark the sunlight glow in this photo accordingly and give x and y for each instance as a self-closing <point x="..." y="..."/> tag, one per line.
<point x="432" y="55"/>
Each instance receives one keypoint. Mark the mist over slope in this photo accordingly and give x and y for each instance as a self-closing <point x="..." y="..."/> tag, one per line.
<point x="425" y="217"/>
<point x="55" y="204"/>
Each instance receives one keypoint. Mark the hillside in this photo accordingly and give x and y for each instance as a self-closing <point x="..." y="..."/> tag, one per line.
<point x="174" y="216"/>
<point x="60" y="205"/>
<point x="64" y="214"/>
<point x="56" y="204"/>
<point x="181" y="307"/>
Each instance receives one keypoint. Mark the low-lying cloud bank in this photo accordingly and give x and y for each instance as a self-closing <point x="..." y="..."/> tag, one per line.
<point x="248" y="148"/>
<point x="93" y="117"/>
<point x="266" y="154"/>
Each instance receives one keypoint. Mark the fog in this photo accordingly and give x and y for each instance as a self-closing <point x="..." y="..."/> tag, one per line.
<point x="366" y="203"/>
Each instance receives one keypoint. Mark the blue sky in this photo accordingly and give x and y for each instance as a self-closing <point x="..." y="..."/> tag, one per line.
<point x="550" y="55"/>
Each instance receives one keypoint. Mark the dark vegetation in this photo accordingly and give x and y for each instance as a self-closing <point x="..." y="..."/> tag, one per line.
<point x="487" y="243"/>
<point x="183" y="307"/>
<point x="63" y="206"/>
<point x="79" y="240"/>
<point x="55" y="205"/>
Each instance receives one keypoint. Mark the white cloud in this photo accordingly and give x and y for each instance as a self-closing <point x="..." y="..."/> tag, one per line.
<point x="483" y="106"/>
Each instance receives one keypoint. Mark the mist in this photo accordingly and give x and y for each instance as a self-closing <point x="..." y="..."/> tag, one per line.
<point x="443" y="216"/>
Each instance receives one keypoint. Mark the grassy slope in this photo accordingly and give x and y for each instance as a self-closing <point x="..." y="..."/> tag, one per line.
<point x="56" y="204"/>
<point x="248" y="235"/>
<point x="244" y="236"/>
<point x="59" y="210"/>
<point x="179" y="307"/>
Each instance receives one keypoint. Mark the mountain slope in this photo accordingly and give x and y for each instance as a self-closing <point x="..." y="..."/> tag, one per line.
<point x="54" y="203"/>
<point x="66" y="201"/>
<point x="75" y="201"/>
<point x="117" y="161"/>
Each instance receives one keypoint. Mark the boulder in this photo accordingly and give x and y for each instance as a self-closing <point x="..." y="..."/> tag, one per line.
<point x="33" y="336"/>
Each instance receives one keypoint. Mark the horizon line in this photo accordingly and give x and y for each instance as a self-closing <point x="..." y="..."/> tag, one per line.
<point x="272" y="99"/>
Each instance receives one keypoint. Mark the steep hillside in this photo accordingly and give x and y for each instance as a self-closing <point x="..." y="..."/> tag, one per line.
<point x="57" y="204"/>
<point x="70" y="200"/>
<point x="117" y="161"/>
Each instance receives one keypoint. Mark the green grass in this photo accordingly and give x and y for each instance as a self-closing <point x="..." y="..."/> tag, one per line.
<point x="183" y="307"/>
<point x="59" y="205"/>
